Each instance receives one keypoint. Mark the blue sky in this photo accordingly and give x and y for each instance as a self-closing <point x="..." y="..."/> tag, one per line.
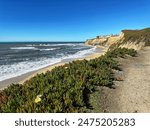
<point x="69" y="20"/>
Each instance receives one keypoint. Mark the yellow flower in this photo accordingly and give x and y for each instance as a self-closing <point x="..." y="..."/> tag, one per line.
<point x="38" y="98"/>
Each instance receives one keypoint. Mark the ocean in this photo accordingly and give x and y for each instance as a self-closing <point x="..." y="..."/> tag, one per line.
<point x="23" y="57"/>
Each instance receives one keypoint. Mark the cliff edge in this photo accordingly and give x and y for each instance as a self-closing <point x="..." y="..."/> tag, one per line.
<point x="135" y="39"/>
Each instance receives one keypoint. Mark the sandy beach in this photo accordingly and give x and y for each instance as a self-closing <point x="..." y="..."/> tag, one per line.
<point x="21" y="79"/>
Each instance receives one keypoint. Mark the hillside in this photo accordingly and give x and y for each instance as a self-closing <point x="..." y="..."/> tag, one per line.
<point x="134" y="39"/>
<point x="132" y="94"/>
<point x="137" y="36"/>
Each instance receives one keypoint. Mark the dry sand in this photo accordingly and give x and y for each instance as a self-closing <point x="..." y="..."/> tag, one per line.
<point x="21" y="79"/>
<point x="133" y="93"/>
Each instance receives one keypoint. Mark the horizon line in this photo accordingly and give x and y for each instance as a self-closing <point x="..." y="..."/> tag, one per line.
<point x="42" y="41"/>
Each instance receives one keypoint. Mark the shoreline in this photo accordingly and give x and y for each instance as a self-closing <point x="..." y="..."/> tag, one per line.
<point x="24" y="77"/>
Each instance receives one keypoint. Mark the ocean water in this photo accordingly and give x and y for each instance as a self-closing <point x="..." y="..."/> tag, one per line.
<point x="20" y="58"/>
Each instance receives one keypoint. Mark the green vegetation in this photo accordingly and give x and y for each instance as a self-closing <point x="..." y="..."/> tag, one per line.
<point x="65" y="88"/>
<point x="138" y="36"/>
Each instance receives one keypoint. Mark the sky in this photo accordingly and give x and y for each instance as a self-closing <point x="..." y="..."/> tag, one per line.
<point x="69" y="20"/>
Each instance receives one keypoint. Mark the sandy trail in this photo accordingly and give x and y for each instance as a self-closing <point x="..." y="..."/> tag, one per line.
<point x="133" y="93"/>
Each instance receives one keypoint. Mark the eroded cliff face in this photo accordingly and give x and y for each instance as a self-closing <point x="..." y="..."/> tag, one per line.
<point x="132" y="39"/>
<point x="133" y="45"/>
<point x="105" y="40"/>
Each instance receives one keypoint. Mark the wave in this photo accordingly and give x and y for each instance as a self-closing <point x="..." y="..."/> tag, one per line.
<point x="50" y="49"/>
<point x="24" y="48"/>
<point x="17" y="69"/>
<point x="61" y="44"/>
<point x="66" y="44"/>
<point x="32" y="48"/>
<point x="81" y="54"/>
<point x="80" y="47"/>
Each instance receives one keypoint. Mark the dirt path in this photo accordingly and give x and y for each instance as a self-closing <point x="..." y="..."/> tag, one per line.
<point x="133" y="93"/>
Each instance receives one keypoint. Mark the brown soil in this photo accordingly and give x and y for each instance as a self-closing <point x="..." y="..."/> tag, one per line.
<point x="133" y="93"/>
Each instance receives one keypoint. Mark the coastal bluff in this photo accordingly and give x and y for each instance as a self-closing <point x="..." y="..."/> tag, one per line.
<point x="131" y="39"/>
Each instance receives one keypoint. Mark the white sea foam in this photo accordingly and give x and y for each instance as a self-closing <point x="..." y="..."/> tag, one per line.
<point x="32" y="48"/>
<point x="60" y="44"/>
<point x="17" y="69"/>
<point x="24" y="48"/>
<point x="67" y="44"/>
<point x="80" y="47"/>
<point x="80" y="54"/>
<point x="49" y="49"/>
